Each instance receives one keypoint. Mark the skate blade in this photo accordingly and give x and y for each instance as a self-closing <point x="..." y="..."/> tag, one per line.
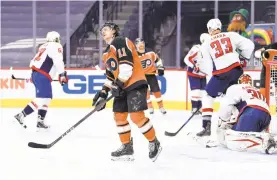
<point x="159" y="151"/>
<point x="42" y="129"/>
<point x="123" y="158"/>
<point x="21" y="124"/>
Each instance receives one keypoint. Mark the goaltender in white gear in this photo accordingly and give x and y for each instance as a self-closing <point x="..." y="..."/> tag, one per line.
<point x="247" y="130"/>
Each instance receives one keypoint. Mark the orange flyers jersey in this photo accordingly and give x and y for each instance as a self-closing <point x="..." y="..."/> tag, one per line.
<point x="148" y="60"/>
<point x="123" y="52"/>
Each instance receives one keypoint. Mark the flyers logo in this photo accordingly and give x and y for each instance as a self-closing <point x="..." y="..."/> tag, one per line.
<point x="111" y="64"/>
<point x="146" y="63"/>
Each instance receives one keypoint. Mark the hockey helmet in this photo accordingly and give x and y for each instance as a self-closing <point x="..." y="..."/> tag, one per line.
<point x="204" y="37"/>
<point x="112" y="26"/>
<point x="214" y="24"/>
<point x="138" y="40"/>
<point x="53" y="36"/>
<point x="245" y="79"/>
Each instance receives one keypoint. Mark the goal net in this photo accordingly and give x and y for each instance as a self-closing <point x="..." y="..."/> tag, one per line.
<point x="271" y="87"/>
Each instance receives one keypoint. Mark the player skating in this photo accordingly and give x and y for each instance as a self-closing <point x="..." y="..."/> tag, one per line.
<point x="151" y="62"/>
<point x="127" y="82"/>
<point x="221" y="50"/>
<point x="244" y="118"/>
<point x="46" y="64"/>
<point x="197" y="80"/>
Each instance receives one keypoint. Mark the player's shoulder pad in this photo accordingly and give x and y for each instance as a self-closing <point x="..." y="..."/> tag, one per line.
<point x="55" y="47"/>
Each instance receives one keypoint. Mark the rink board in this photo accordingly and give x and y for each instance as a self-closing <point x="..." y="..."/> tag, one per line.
<point x="84" y="83"/>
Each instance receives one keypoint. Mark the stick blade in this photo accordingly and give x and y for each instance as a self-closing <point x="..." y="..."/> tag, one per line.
<point x="169" y="133"/>
<point x="36" y="145"/>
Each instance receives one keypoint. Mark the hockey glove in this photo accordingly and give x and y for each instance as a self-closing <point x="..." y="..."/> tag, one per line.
<point x="99" y="96"/>
<point x="243" y="62"/>
<point x="160" y="70"/>
<point x="63" y="79"/>
<point x="117" y="89"/>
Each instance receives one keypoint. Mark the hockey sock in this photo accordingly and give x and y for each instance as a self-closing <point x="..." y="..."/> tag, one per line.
<point x="158" y="96"/>
<point x="29" y="109"/>
<point x="123" y="127"/>
<point x="144" y="125"/>
<point x="42" y="112"/>
<point x="205" y="120"/>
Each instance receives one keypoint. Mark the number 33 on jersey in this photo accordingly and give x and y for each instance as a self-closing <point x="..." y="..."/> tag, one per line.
<point x="221" y="50"/>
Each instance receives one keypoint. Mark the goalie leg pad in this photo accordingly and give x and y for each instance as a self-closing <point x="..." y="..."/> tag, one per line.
<point x="250" y="141"/>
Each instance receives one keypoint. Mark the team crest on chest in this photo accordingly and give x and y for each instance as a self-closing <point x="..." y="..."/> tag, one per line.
<point x="111" y="64"/>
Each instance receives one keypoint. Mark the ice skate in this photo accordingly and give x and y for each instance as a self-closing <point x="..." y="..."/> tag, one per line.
<point x="20" y="118"/>
<point x="124" y="153"/>
<point x="41" y="124"/>
<point x="206" y="131"/>
<point x="151" y="110"/>
<point x="271" y="146"/>
<point x="154" y="149"/>
<point x="162" y="110"/>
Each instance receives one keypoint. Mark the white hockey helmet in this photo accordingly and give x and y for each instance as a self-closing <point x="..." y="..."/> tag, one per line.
<point x="53" y="36"/>
<point x="204" y="37"/>
<point x="214" y="24"/>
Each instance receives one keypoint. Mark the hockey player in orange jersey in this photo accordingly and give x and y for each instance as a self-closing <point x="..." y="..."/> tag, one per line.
<point x="128" y="85"/>
<point x="151" y="62"/>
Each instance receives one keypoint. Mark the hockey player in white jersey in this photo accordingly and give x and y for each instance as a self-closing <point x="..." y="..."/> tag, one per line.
<point x="221" y="50"/>
<point x="244" y="119"/>
<point x="197" y="80"/>
<point x="47" y="64"/>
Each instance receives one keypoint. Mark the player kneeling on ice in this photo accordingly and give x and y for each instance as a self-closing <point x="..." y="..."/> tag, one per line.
<point x="247" y="130"/>
<point x="128" y="85"/>
<point x="197" y="80"/>
<point x="149" y="61"/>
<point x="45" y="65"/>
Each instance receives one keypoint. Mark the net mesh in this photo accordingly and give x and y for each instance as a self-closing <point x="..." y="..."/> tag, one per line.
<point x="273" y="98"/>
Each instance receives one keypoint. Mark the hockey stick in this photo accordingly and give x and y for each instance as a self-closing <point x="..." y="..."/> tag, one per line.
<point x="47" y="146"/>
<point x="174" y="134"/>
<point x="15" y="78"/>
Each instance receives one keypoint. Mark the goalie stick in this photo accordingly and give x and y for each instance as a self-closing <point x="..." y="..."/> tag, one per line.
<point x="47" y="146"/>
<point x="174" y="134"/>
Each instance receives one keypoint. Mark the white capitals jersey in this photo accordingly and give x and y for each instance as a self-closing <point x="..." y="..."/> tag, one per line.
<point x="241" y="93"/>
<point x="49" y="60"/>
<point x="222" y="50"/>
<point x="193" y="57"/>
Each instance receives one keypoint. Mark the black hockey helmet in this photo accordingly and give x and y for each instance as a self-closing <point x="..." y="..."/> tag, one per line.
<point x="139" y="40"/>
<point x="112" y="26"/>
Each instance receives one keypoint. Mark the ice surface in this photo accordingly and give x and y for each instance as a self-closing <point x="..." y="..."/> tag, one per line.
<point x="84" y="154"/>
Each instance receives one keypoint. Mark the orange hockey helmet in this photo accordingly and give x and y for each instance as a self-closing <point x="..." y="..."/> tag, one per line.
<point x="245" y="79"/>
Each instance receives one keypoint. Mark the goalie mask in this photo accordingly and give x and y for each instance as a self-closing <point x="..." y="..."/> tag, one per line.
<point x="245" y="79"/>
